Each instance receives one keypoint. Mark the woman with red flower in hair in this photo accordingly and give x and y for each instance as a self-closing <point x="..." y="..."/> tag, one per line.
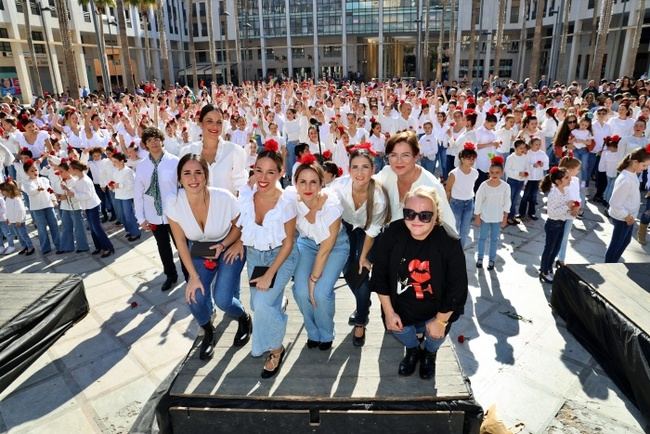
<point x="268" y="231"/>
<point x="206" y="217"/>
<point x="323" y="247"/>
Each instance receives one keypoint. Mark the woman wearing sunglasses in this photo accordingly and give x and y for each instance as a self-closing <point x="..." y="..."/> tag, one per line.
<point x="563" y="139"/>
<point x="421" y="279"/>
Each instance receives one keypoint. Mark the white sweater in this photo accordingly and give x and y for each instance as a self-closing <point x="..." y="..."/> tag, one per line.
<point x="16" y="212"/>
<point x="492" y="202"/>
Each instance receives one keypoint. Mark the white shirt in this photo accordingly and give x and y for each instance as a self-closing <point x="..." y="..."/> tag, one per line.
<point x="167" y="180"/>
<point x="357" y="217"/>
<point x="463" y="188"/>
<point x="428" y="146"/>
<point x="600" y="132"/>
<point x="483" y="135"/>
<point x="515" y="164"/>
<point x="270" y="234"/>
<point x="581" y="135"/>
<point x="609" y="162"/>
<point x="319" y="231"/>
<point x="16" y="212"/>
<point x="230" y="167"/>
<point x="378" y="143"/>
<point x="506" y="137"/>
<point x="492" y="202"/>
<point x="221" y="211"/>
<point x="626" y="197"/>
<point x="84" y="191"/>
<point x="38" y="199"/>
<point x="621" y="127"/>
<point x="536" y="173"/>
<point x="38" y="147"/>
<point x="125" y="179"/>
<point x="557" y="205"/>
<point x="388" y="179"/>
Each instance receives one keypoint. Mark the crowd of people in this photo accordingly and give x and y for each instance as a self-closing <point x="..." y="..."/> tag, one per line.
<point x="303" y="182"/>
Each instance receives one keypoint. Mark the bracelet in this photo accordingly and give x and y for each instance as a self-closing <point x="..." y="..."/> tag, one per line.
<point x="313" y="278"/>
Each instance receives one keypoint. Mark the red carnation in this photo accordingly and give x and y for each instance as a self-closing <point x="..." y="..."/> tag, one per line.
<point x="576" y="203"/>
<point x="327" y="155"/>
<point x="461" y="339"/>
<point x="271" y="145"/>
<point x="647" y="148"/>
<point x="52" y="153"/>
<point x="24" y="149"/>
<point x="554" y="169"/>
<point x="529" y="113"/>
<point x="615" y="138"/>
<point x="210" y="264"/>
<point x="132" y="143"/>
<point x="492" y="111"/>
<point x="387" y="134"/>
<point x="49" y="190"/>
<point x="525" y="174"/>
<point x="70" y="149"/>
<point x="57" y="173"/>
<point x="111" y="184"/>
<point x="497" y="160"/>
<point x="539" y="162"/>
<point x="424" y="101"/>
<point x="452" y="124"/>
<point x="255" y="125"/>
<point x="373" y="120"/>
<point x="469" y="146"/>
<point x="184" y="129"/>
<point x="134" y="304"/>
<point x="308" y="159"/>
<point x="469" y="112"/>
<point x="340" y="172"/>
<point x="29" y="162"/>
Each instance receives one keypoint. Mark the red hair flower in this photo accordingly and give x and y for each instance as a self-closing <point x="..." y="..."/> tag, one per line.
<point x="469" y="112"/>
<point x="365" y="146"/>
<point x="424" y="101"/>
<point x="24" y="149"/>
<point x="339" y="172"/>
<point x="271" y="145"/>
<point x="615" y="138"/>
<point x="49" y="190"/>
<point x="469" y="146"/>
<point x="308" y="159"/>
<point x="492" y="111"/>
<point x="647" y="148"/>
<point x="327" y="155"/>
<point x="497" y="160"/>
<point x="529" y="113"/>
<point x="554" y="169"/>
<point x="29" y="162"/>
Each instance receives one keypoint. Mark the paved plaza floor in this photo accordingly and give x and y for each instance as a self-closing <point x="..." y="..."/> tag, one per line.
<point x="99" y="375"/>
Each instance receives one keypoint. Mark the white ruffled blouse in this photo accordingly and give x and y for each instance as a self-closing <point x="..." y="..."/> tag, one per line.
<point x="319" y="231"/>
<point x="270" y="234"/>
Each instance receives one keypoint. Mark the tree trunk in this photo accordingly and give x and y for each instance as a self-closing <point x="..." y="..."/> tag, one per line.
<point x="601" y="39"/>
<point x="452" y="43"/>
<point x="163" y="43"/>
<point x="68" y="54"/>
<point x="636" y="39"/>
<point x="440" y="41"/>
<point x="594" y="21"/>
<point x="499" y="37"/>
<point x="195" y="76"/>
<point x="565" y="27"/>
<point x="427" y="49"/>
<point x="537" y="43"/>
<point x="127" y="70"/>
<point x="213" y="66"/>
<point x="472" y="43"/>
<point x="144" y="16"/>
<point x="30" y="42"/>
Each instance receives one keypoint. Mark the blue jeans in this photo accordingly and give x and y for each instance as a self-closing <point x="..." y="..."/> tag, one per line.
<point x="100" y="239"/>
<point x="362" y="293"/>
<point x="463" y="211"/>
<point x="494" y="230"/>
<point x="554" y="230"/>
<point x="224" y="289"/>
<point x="565" y="239"/>
<point x="621" y="237"/>
<point x="583" y="156"/>
<point x="529" y="199"/>
<point x="23" y="236"/>
<point x="291" y="158"/>
<point x="106" y="205"/>
<point x="550" y="151"/>
<point x="7" y="233"/>
<point x="609" y="189"/>
<point x="645" y="217"/>
<point x="380" y="162"/>
<point x="127" y="216"/>
<point x="408" y="337"/>
<point x="319" y="320"/>
<point x="515" y="190"/>
<point x="449" y="166"/>
<point x="269" y="320"/>
<point x="441" y="159"/>
<point x="117" y="207"/>
<point x="428" y="164"/>
<point x="73" y="231"/>
<point x="45" y="219"/>
<point x="591" y="166"/>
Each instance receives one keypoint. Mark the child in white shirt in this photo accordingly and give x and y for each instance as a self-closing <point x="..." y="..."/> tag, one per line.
<point x="537" y="164"/>
<point x="516" y="176"/>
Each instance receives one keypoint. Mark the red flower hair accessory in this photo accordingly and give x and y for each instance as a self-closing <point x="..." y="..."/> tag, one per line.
<point x="70" y="148"/>
<point x="554" y="170"/>
<point x="497" y="160"/>
<point x="339" y="172"/>
<point x="529" y="113"/>
<point x="307" y="159"/>
<point x="366" y="146"/>
<point x="29" y="162"/>
<point x="469" y="112"/>
<point x="271" y="145"/>
<point x="492" y="111"/>
<point x="24" y="149"/>
<point x="424" y="101"/>
<point x="647" y="148"/>
<point x="327" y="155"/>
<point x="469" y="146"/>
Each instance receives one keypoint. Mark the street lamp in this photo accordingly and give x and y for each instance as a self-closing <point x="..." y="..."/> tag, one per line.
<point x="224" y="51"/>
<point x="48" y="48"/>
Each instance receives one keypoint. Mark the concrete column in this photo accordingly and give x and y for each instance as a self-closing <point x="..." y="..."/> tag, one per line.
<point x="80" y="60"/>
<point x="287" y="16"/>
<point x="54" y="67"/>
<point x="575" y="44"/>
<point x="459" y="37"/>
<point x="627" y="61"/>
<point x="315" y="72"/>
<point x="344" y="41"/>
<point x="380" y="51"/>
<point x="18" y="50"/>
<point x="139" y="50"/>
<point x="262" y="41"/>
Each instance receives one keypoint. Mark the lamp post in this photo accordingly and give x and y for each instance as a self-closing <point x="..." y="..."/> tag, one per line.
<point x="48" y="48"/>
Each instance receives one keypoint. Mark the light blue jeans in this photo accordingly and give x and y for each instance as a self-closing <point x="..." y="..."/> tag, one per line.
<point x="319" y="320"/>
<point x="408" y="337"/>
<point x="609" y="189"/>
<point x="565" y="240"/>
<point x="463" y="211"/>
<point x="126" y="214"/>
<point x="45" y="219"/>
<point x="73" y="231"/>
<point x="269" y="321"/>
<point x="493" y="230"/>
<point x="7" y="233"/>
<point x="23" y="236"/>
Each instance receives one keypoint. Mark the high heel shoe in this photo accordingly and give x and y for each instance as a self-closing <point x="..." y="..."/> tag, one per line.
<point x="359" y="341"/>
<point x="274" y="358"/>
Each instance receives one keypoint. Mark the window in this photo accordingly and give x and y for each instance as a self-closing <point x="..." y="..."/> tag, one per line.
<point x="5" y="46"/>
<point x="38" y="48"/>
<point x="298" y="53"/>
<point x="514" y="11"/>
<point x="505" y="68"/>
<point x="586" y="71"/>
<point x="332" y="51"/>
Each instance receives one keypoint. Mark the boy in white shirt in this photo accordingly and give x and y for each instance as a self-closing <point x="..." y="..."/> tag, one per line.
<point x="516" y="175"/>
<point x="428" y="148"/>
<point x="537" y="164"/>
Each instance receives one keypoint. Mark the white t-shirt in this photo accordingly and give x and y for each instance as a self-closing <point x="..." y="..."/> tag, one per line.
<point x="319" y="231"/>
<point x="221" y="211"/>
<point x="463" y="188"/>
<point x="492" y="202"/>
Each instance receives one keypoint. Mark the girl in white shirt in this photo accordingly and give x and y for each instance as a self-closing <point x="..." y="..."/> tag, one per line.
<point x="625" y="202"/>
<point x="5" y="230"/>
<point x="460" y="191"/>
<point x="268" y="231"/>
<point x="73" y="228"/>
<point x="16" y="215"/>
<point x="378" y="142"/>
<point x="41" y="204"/>
<point x="323" y="247"/>
<point x="365" y="211"/>
<point x="122" y="187"/>
<point x="572" y="165"/>
<point x="491" y="211"/>
<point x="537" y="165"/>
<point x="198" y="213"/>
<point x="609" y="160"/>
<point x="83" y="190"/>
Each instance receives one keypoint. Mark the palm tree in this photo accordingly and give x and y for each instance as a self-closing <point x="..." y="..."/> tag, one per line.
<point x="499" y="36"/>
<point x="472" y="43"/>
<point x="565" y="27"/>
<point x="601" y="39"/>
<point x="190" y="11"/>
<point x="213" y="68"/>
<point x="452" y="42"/>
<point x="427" y="51"/>
<point x="30" y="42"/>
<point x="127" y="70"/>
<point x="68" y="55"/>
<point x="163" y="41"/>
<point x="143" y="7"/>
<point x="537" y="42"/>
<point x="440" y="41"/>
<point x="97" y="7"/>
<point x="636" y="36"/>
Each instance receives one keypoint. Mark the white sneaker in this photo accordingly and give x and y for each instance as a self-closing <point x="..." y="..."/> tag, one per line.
<point x="9" y="250"/>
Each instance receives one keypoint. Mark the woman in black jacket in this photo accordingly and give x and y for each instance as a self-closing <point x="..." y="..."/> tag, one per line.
<point x="420" y="275"/>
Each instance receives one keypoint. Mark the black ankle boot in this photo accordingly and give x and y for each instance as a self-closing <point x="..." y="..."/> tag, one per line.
<point x="409" y="362"/>
<point x="244" y="330"/>
<point x="428" y="365"/>
<point x="208" y="342"/>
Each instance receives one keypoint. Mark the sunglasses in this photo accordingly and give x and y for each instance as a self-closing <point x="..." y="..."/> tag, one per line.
<point x="424" y="216"/>
<point x="572" y="122"/>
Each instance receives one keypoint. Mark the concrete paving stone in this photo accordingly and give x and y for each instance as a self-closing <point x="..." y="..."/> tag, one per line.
<point x="151" y="353"/>
<point x="108" y="291"/>
<point x="115" y="314"/>
<point x="147" y="324"/>
<point x="41" y="369"/>
<point x="87" y="348"/>
<point x="89" y="324"/>
<point x="73" y="421"/>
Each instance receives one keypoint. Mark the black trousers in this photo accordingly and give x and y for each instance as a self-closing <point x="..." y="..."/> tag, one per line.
<point x="164" y="240"/>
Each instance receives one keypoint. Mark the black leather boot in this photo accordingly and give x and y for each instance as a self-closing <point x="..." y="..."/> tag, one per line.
<point x="207" y="344"/>
<point x="244" y="330"/>
<point x="409" y="362"/>
<point x="428" y="365"/>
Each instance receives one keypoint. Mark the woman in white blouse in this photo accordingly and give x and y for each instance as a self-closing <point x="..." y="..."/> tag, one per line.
<point x="198" y="213"/>
<point x="625" y="202"/>
<point x="38" y="142"/>
<point x="226" y="160"/>
<point x="365" y="211"/>
<point x="84" y="191"/>
<point x="41" y="205"/>
<point x="323" y="247"/>
<point x="268" y="231"/>
<point x="122" y="186"/>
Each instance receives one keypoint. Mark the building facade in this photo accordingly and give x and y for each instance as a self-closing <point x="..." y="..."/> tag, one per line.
<point x="302" y="38"/>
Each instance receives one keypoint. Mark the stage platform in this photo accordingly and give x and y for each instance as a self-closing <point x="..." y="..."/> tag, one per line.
<point x="346" y="389"/>
<point x="607" y="307"/>
<point x="35" y="310"/>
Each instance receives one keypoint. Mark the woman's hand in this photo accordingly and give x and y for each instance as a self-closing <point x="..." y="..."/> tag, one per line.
<point x="312" y="288"/>
<point x="364" y="263"/>
<point x="436" y="329"/>
<point x="477" y="221"/>
<point x="263" y="283"/>
<point x="218" y="250"/>
<point x="629" y="220"/>
<point x="193" y="285"/>
<point x="234" y="252"/>
<point x="394" y="322"/>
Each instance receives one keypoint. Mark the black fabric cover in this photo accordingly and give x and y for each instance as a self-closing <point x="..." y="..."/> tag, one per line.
<point x="57" y="305"/>
<point x="620" y="347"/>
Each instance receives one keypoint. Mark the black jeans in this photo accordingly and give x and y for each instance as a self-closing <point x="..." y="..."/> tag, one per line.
<point x="164" y="240"/>
<point x="554" y="231"/>
<point x="529" y="200"/>
<point x="482" y="176"/>
<point x="621" y="237"/>
<point x="362" y="293"/>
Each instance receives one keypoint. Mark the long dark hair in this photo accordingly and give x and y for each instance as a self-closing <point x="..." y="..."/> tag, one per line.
<point x="639" y="155"/>
<point x="372" y="187"/>
<point x="555" y="174"/>
<point x="563" y="133"/>
<point x="192" y="157"/>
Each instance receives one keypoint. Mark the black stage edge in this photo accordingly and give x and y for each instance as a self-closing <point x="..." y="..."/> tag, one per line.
<point x="607" y="308"/>
<point x="35" y="311"/>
